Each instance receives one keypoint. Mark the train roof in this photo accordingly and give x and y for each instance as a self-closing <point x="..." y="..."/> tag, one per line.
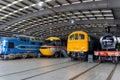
<point x="53" y="38"/>
<point x="79" y="32"/>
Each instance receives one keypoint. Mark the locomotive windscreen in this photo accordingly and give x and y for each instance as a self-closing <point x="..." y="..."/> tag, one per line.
<point x="52" y="42"/>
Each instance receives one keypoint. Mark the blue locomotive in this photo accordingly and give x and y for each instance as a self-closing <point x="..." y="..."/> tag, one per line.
<point x="19" y="46"/>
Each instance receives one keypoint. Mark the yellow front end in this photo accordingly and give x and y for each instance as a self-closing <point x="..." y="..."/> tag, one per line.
<point x="78" y="41"/>
<point x="46" y="51"/>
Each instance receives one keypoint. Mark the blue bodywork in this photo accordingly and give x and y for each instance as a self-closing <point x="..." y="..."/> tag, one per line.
<point x="19" y="44"/>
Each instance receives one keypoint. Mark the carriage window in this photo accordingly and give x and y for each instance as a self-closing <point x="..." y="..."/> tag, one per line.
<point x="23" y="39"/>
<point x="32" y="39"/>
<point x="81" y="36"/>
<point x="76" y="36"/>
<point x="22" y="46"/>
<point x="33" y="43"/>
<point x="10" y="45"/>
<point x="72" y="37"/>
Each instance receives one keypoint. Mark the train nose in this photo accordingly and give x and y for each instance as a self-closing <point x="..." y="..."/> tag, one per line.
<point x="83" y="48"/>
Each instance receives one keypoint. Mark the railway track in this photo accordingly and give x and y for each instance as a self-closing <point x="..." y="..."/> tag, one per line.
<point x="32" y="76"/>
<point x="54" y="70"/>
<point x="59" y="68"/>
<point x="112" y="72"/>
<point x="84" y="72"/>
<point x="62" y="68"/>
<point x="50" y="71"/>
<point x="108" y="78"/>
<point x="34" y="68"/>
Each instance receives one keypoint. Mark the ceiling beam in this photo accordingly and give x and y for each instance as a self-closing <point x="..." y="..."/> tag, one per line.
<point x="104" y="4"/>
<point x="87" y="29"/>
<point x="67" y="32"/>
<point x="79" y="22"/>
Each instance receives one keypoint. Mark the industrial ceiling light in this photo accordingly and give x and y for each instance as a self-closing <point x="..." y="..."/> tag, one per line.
<point x="72" y="21"/>
<point x="40" y="3"/>
<point x="48" y="0"/>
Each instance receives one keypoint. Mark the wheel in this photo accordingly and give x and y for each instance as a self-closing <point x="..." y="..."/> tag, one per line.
<point x="2" y="57"/>
<point x="12" y="56"/>
<point x="85" y="57"/>
<point x="80" y="59"/>
<point x="56" y="55"/>
<point x="24" y="56"/>
<point x="72" y="59"/>
<point x="70" y="54"/>
<point x="35" y="55"/>
<point x="5" y="57"/>
<point x="101" y="59"/>
<point x="115" y="60"/>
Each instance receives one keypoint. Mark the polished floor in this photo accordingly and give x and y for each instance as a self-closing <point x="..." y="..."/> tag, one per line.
<point x="56" y="69"/>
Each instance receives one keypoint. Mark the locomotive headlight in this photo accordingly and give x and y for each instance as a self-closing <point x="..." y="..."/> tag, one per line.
<point x="4" y="41"/>
<point x="83" y="48"/>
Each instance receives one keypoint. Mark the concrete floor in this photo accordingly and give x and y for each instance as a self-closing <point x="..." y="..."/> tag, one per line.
<point x="116" y="75"/>
<point x="99" y="73"/>
<point x="54" y="69"/>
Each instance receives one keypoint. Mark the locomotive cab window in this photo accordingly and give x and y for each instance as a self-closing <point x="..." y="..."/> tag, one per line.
<point x="81" y="36"/>
<point x="76" y="36"/>
<point x="23" y="39"/>
<point x="10" y="45"/>
<point x="72" y="37"/>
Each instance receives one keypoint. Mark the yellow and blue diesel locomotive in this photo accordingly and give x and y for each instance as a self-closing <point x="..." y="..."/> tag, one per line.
<point x="80" y="44"/>
<point x="53" y="46"/>
<point x="19" y="46"/>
